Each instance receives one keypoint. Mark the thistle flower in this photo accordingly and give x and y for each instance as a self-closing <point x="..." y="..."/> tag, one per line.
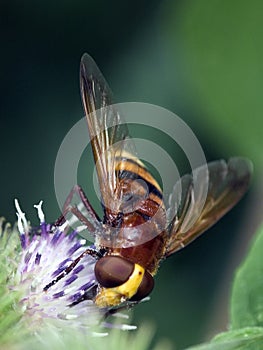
<point x="46" y="301"/>
<point x="39" y="271"/>
<point x="50" y="292"/>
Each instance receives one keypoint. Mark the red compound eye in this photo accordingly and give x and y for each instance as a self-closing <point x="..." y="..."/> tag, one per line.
<point x="112" y="271"/>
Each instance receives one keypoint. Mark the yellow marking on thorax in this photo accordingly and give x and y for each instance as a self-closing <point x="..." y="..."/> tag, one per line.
<point x="114" y="296"/>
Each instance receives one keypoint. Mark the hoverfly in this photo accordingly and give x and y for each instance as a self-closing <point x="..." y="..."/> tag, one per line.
<point x="134" y="236"/>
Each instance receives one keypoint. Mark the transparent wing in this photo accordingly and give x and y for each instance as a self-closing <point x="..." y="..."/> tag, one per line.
<point x="227" y="184"/>
<point x="108" y="132"/>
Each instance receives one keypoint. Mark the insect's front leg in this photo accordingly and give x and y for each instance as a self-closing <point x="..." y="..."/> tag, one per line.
<point x="83" y="198"/>
<point x="80" y="209"/>
<point x="96" y="254"/>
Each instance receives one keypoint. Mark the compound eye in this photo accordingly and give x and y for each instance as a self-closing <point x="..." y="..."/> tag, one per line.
<point x="113" y="271"/>
<point x="145" y="287"/>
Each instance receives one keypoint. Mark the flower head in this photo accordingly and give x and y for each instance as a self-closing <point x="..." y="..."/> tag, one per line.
<point x="52" y="290"/>
<point x="55" y="277"/>
<point x="47" y="287"/>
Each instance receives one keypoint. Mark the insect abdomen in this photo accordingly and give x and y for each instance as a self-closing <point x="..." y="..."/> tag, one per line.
<point x="143" y="214"/>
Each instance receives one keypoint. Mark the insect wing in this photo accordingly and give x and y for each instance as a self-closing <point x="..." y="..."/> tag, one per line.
<point x="108" y="133"/>
<point x="227" y="183"/>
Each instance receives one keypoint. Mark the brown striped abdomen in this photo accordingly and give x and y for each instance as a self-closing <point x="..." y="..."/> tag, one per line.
<point x="141" y="211"/>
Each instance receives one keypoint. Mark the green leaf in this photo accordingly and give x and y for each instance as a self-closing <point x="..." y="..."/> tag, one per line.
<point x="247" y="294"/>
<point x="246" y="305"/>
<point x="250" y="338"/>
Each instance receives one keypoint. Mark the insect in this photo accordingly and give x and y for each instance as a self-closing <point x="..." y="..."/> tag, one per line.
<point x="135" y="235"/>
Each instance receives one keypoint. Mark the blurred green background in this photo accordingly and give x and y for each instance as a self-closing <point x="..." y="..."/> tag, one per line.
<point x="200" y="59"/>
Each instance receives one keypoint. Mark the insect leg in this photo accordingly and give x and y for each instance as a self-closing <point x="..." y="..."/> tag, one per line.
<point x="83" y="199"/>
<point x="91" y="225"/>
<point x="81" y="209"/>
<point x="89" y="251"/>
